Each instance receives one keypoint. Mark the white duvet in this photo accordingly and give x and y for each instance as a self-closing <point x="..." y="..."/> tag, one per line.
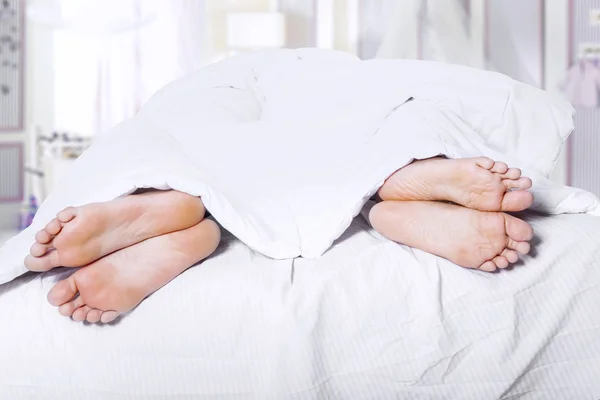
<point x="285" y="147"/>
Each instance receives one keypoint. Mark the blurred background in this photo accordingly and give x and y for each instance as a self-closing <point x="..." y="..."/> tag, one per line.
<point x="70" y="69"/>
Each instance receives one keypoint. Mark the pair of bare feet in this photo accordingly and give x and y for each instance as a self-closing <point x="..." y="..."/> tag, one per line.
<point x="474" y="231"/>
<point x="128" y="248"/>
<point x="131" y="247"/>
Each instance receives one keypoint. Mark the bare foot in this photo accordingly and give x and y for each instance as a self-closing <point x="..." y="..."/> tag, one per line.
<point x="119" y="282"/>
<point x="477" y="183"/>
<point x="469" y="238"/>
<point x="81" y="235"/>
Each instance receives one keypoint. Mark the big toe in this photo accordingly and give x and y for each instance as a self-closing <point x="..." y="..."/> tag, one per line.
<point x="63" y="292"/>
<point x="517" y="229"/>
<point x="517" y="200"/>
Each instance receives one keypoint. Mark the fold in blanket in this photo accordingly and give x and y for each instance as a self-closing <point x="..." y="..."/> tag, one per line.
<point x="285" y="150"/>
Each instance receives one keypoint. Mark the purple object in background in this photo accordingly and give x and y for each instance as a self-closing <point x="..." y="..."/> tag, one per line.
<point x="28" y="213"/>
<point x="33" y="208"/>
<point x="23" y="217"/>
<point x="581" y="84"/>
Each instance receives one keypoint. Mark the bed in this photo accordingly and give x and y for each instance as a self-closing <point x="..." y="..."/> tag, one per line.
<point x="280" y="313"/>
<point x="368" y="320"/>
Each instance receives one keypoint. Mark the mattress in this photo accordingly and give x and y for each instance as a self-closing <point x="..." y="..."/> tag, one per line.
<point x="369" y="320"/>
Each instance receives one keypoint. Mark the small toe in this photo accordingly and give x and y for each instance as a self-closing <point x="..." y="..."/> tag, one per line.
<point x="485" y="162"/>
<point x="518" y="200"/>
<point x="81" y="314"/>
<point x="44" y="263"/>
<point x="500" y="168"/>
<point x="67" y="215"/>
<point x="109" y="316"/>
<point x="521" y="183"/>
<point x="501" y="262"/>
<point x="94" y="316"/>
<point x="67" y="310"/>
<point x="511" y="255"/>
<point x="43" y="237"/>
<point x="512" y="173"/>
<point x="519" y="247"/>
<point x="54" y="227"/>
<point x="38" y="249"/>
<point x="63" y="292"/>
<point x="488" y="266"/>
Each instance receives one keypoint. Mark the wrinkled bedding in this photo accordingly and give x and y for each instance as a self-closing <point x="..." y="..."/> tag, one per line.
<point x="368" y="320"/>
<point x="285" y="147"/>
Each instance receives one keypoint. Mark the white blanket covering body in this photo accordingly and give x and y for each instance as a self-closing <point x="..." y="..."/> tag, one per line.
<point x="285" y="147"/>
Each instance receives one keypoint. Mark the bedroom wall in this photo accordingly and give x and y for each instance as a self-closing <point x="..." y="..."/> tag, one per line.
<point x="515" y="39"/>
<point x="217" y="21"/>
<point x="584" y="145"/>
<point x="533" y="50"/>
<point x="556" y="37"/>
<point x="542" y="42"/>
<point x="301" y="19"/>
<point x="559" y="43"/>
<point x="39" y="89"/>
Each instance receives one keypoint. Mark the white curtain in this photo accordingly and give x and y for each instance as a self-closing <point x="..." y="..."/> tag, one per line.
<point x="101" y="80"/>
<point x="400" y="37"/>
<point x="433" y="30"/>
<point x="380" y="20"/>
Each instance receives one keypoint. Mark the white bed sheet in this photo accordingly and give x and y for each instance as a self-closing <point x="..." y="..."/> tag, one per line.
<point x="368" y="320"/>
